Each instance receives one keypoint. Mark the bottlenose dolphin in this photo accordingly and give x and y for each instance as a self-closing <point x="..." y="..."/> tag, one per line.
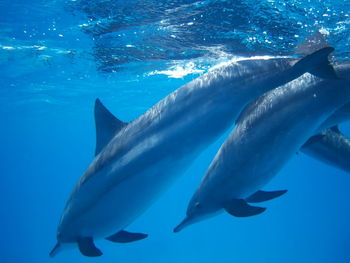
<point x="262" y="142"/>
<point x="135" y="162"/>
<point x="330" y="146"/>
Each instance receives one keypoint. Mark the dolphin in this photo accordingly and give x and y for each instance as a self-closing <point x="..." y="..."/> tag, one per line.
<point x="330" y="146"/>
<point x="136" y="161"/>
<point x="262" y="142"/>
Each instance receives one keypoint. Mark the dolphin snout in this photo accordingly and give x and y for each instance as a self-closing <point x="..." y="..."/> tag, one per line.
<point x="55" y="250"/>
<point x="186" y="222"/>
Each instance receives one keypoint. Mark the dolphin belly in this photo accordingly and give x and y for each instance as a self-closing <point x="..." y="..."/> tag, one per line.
<point x="123" y="203"/>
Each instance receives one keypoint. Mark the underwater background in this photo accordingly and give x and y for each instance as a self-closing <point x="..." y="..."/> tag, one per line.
<point x="57" y="57"/>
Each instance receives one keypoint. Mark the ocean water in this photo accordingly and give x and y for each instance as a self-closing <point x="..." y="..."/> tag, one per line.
<point x="57" y="57"/>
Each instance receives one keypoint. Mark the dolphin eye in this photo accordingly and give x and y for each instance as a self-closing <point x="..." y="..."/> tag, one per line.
<point x="198" y="205"/>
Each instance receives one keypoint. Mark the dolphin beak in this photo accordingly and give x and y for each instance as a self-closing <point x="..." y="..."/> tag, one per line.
<point x="55" y="250"/>
<point x="186" y="222"/>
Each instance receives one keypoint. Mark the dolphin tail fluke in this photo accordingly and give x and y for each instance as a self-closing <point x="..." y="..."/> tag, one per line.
<point x="87" y="247"/>
<point x="262" y="196"/>
<point x="126" y="237"/>
<point x="318" y="64"/>
<point x="240" y="208"/>
<point x="106" y="126"/>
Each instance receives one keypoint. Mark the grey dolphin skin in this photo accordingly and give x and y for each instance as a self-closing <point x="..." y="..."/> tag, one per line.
<point x="135" y="162"/>
<point x="330" y="146"/>
<point x="340" y="116"/>
<point x="262" y="142"/>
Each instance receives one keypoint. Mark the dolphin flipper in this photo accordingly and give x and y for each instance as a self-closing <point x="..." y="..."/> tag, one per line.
<point x="240" y="208"/>
<point x="126" y="237"/>
<point x="318" y="137"/>
<point x="262" y="196"/>
<point x="106" y="126"/>
<point x="314" y="139"/>
<point x="87" y="247"/>
<point x="335" y="129"/>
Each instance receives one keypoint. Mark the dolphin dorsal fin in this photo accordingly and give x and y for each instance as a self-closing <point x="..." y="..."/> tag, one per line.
<point x="106" y="126"/>
<point x="318" y="64"/>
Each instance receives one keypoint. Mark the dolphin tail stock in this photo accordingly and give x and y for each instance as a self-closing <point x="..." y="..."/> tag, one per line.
<point x="126" y="237"/>
<point x="107" y="125"/>
<point x="317" y="64"/>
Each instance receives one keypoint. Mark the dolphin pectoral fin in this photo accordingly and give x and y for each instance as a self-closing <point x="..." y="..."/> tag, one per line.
<point x="313" y="139"/>
<point x="240" y="208"/>
<point x="106" y="125"/>
<point x="126" y="237"/>
<point x="87" y="247"/>
<point x="262" y="196"/>
<point x="318" y="64"/>
<point x="335" y="129"/>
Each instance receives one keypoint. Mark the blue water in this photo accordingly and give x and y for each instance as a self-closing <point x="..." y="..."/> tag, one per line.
<point x="56" y="57"/>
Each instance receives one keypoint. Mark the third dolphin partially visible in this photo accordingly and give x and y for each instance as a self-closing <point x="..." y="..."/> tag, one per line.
<point x="330" y="146"/>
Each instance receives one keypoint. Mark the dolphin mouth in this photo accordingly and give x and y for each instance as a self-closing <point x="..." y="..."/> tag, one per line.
<point x="186" y="222"/>
<point x="55" y="250"/>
